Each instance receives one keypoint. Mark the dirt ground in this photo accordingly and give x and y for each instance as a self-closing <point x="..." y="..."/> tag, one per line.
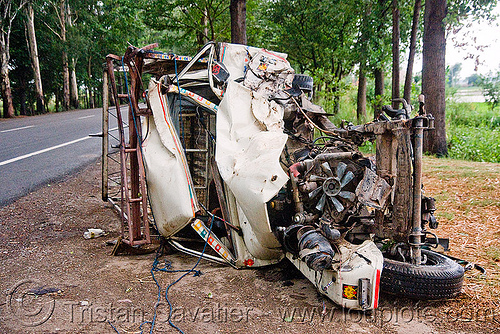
<point x="89" y="291"/>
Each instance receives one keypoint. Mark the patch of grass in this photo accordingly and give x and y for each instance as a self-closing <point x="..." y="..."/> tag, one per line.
<point x="443" y="196"/>
<point x="475" y="114"/>
<point x="446" y="215"/>
<point x="473" y="131"/>
<point x="493" y="253"/>
<point x="475" y="144"/>
<point x="485" y="202"/>
<point x="368" y="148"/>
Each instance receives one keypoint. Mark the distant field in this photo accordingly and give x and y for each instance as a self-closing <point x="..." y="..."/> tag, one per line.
<point x="469" y="94"/>
<point x="473" y="130"/>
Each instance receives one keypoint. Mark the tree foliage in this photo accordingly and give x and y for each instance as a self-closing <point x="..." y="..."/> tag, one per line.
<point x="330" y="40"/>
<point x="491" y="89"/>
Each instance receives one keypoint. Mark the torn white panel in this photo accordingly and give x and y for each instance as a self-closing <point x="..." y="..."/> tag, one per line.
<point x="267" y="248"/>
<point x="270" y="68"/>
<point x="236" y="58"/>
<point x="170" y="187"/>
<point x="248" y="159"/>
<point x="268" y="113"/>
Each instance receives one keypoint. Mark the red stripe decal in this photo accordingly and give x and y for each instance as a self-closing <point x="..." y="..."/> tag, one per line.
<point x="377" y="288"/>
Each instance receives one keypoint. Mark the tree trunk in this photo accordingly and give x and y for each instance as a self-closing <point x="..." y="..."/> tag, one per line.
<point x="201" y="36"/>
<point x="74" y="85"/>
<point x="66" y="93"/>
<point x="58" y="101"/>
<point x="8" y="103"/>
<point x="433" y="74"/>
<point x="90" y="88"/>
<point x="379" y="91"/>
<point x="7" y="15"/>
<point x="413" y="47"/>
<point x="238" y="10"/>
<point x="395" y="53"/>
<point x="30" y="27"/>
<point x="65" y="65"/>
<point x="361" y="105"/>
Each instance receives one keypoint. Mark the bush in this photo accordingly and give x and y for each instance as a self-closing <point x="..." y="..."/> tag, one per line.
<point x="474" y="143"/>
<point x="471" y="114"/>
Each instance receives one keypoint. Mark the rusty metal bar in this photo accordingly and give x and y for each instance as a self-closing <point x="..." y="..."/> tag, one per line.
<point x="416" y="233"/>
<point x="105" y="139"/>
<point x="134" y="62"/>
<point x="124" y="204"/>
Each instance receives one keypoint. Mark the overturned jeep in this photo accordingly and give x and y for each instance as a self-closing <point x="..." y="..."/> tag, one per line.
<point x="231" y="146"/>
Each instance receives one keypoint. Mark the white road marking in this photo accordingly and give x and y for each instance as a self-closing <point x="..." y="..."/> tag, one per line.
<point x="21" y="128"/>
<point x="41" y="151"/>
<point x="86" y="117"/>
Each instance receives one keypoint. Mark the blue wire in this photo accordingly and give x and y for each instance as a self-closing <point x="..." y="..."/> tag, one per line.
<point x="116" y="330"/>
<point x="184" y="275"/>
<point x="166" y="268"/>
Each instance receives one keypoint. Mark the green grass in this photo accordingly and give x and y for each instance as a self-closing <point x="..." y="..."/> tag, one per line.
<point x="477" y="114"/>
<point x="473" y="131"/>
<point x="493" y="253"/>
<point x="474" y="143"/>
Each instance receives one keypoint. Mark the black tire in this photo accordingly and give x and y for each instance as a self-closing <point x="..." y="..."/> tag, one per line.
<point x="439" y="279"/>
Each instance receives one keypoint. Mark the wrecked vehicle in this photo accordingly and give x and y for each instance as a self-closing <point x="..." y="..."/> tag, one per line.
<point x="230" y="145"/>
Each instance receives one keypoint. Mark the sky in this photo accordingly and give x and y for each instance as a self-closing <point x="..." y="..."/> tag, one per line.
<point x="471" y="35"/>
<point x="480" y="34"/>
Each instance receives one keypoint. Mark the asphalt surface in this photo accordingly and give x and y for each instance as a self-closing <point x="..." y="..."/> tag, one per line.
<point x="38" y="150"/>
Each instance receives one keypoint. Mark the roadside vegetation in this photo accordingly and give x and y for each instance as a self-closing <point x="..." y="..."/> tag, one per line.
<point x="473" y="128"/>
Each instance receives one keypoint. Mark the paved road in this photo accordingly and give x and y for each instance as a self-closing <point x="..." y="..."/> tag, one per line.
<point x="38" y="150"/>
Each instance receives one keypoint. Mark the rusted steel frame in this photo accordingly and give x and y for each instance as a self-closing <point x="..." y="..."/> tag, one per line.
<point x="134" y="60"/>
<point x="416" y="234"/>
<point x="105" y="139"/>
<point x="135" y="205"/>
<point x="136" y="88"/>
<point x="124" y="202"/>
<point x="403" y="205"/>
<point x="393" y="162"/>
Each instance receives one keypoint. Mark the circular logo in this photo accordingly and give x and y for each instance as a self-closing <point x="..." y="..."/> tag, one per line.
<point x="30" y="303"/>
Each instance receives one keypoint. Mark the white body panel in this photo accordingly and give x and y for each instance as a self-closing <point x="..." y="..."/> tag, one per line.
<point x="170" y="188"/>
<point x="248" y="161"/>
<point x="341" y="284"/>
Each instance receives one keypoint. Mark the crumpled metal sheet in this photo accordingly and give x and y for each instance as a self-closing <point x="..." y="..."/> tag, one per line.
<point x="268" y="113"/>
<point x="250" y="136"/>
<point x="373" y="190"/>
<point x="171" y="191"/>
<point x="236" y="58"/>
<point x="248" y="159"/>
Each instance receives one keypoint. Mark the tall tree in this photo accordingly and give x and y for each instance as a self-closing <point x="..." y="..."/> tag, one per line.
<point x="238" y="12"/>
<point x="361" y="97"/>
<point x="381" y="50"/>
<point x="363" y="47"/>
<point x="60" y="9"/>
<point x="189" y="24"/>
<point x="412" y="51"/>
<point x="433" y="73"/>
<point x="395" y="53"/>
<point x="32" y="43"/>
<point x="72" y="68"/>
<point x="9" y="10"/>
<point x="438" y="14"/>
